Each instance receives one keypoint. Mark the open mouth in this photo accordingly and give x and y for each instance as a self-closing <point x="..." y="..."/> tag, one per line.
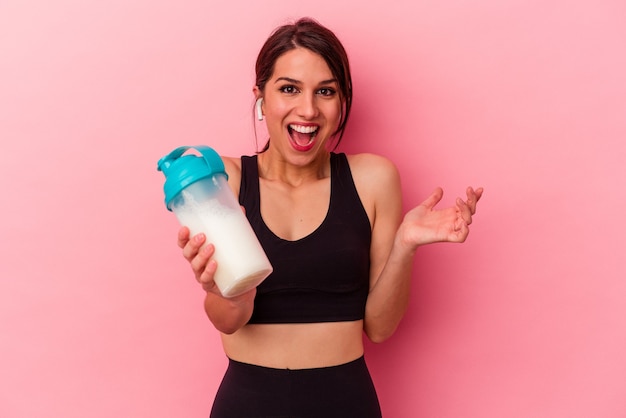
<point x="302" y="137"/>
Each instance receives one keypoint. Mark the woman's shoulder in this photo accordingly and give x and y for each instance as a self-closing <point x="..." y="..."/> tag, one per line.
<point x="377" y="181"/>
<point x="233" y="169"/>
<point x="232" y="164"/>
<point x="367" y="166"/>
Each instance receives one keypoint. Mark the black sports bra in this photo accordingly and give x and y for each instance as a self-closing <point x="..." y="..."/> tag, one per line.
<point x="324" y="276"/>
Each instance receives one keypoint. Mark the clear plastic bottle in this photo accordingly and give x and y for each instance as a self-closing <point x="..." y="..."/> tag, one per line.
<point x="196" y="190"/>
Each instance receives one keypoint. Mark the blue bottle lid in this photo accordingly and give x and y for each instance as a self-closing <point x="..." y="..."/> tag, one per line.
<point x="182" y="170"/>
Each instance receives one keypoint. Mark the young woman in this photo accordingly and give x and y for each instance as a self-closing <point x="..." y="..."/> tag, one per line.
<point x="333" y="229"/>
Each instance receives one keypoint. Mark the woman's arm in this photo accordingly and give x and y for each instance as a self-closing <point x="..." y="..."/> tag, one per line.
<point x="378" y="183"/>
<point x="395" y="239"/>
<point x="226" y="314"/>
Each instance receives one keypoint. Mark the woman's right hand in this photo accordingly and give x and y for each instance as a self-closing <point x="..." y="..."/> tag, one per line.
<point x="227" y="314"/>
<point x="199" y="258"/>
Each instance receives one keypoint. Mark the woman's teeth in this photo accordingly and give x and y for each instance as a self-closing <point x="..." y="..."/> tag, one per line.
<point x="303" y="129"/>
<point x="302" y="135"/>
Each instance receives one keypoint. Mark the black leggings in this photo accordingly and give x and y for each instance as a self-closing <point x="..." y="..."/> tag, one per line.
<point x="342" y="391"/>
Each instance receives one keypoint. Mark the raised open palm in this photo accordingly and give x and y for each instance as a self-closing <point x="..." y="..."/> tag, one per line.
<point x="424" y="224"/>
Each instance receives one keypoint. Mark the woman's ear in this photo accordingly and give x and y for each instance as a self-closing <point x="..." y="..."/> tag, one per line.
<point x="259" y="102"/>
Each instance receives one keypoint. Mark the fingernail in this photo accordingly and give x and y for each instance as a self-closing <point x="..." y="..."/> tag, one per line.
<point x="207" y="249"/>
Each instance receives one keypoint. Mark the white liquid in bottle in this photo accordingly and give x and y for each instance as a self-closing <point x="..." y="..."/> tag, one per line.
<point x="241" y="261"/>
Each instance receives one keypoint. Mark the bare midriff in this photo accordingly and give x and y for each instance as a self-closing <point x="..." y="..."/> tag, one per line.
<point x="296" y="346"/>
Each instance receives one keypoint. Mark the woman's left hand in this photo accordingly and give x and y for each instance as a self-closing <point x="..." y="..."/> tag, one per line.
<point x="425" y="225"/>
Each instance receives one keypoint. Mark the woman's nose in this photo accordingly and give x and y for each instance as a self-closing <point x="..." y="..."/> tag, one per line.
<point x="307" y="106"/>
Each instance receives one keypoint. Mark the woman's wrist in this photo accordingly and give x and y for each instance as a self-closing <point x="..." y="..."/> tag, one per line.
<point x="404" y="241"/>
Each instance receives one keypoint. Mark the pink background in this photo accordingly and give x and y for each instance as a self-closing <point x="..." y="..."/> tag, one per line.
<point x="99" y="313"/>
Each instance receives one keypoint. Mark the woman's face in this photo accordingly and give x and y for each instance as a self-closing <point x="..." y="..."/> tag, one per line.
<point x="301" y="103"/>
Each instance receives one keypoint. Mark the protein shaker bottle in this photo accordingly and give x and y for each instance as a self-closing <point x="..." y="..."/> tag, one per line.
<point x="197" y="191"/>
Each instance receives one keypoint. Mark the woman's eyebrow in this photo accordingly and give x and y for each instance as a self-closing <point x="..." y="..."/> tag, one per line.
<point x="287" y="79"/>
<point x="297" y="82"/>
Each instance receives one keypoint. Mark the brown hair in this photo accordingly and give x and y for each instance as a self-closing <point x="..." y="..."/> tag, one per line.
<point x="308" y="33"/>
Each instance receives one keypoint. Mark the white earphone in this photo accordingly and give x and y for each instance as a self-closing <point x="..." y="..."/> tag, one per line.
<point x="259" y="111"/>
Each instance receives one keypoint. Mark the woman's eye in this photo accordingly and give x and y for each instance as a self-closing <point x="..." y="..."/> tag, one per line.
<point x="326" y="92"/>
<point x="288" y="89"/>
